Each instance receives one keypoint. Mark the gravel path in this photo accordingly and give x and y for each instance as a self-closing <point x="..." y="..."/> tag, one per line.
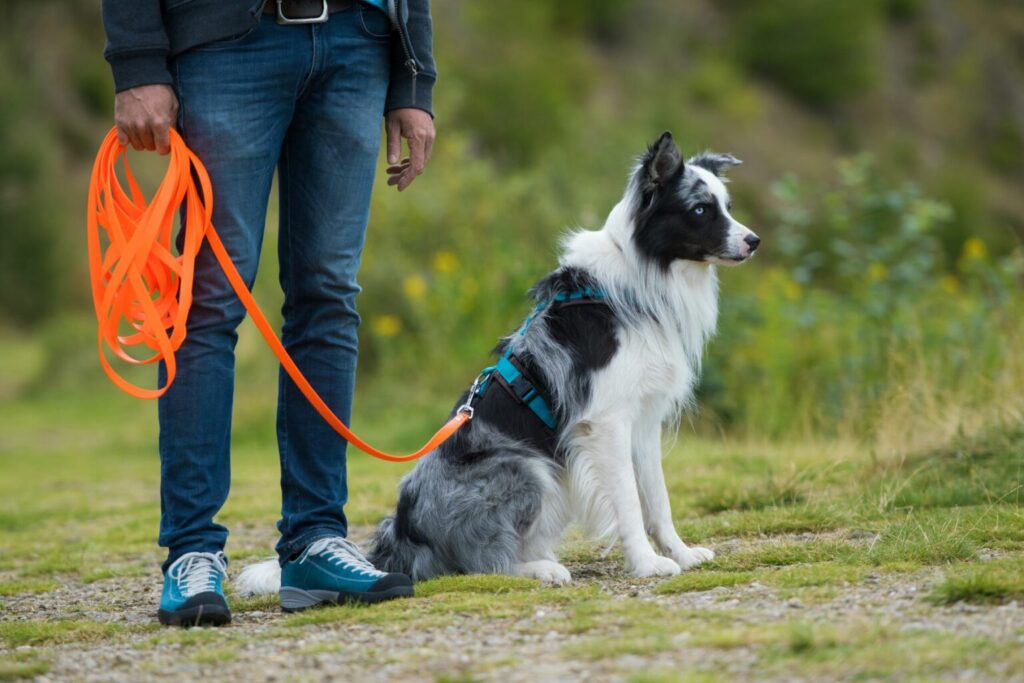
<point x="258" y="648"/>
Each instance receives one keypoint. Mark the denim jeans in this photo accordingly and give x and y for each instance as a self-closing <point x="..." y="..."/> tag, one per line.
<point x="308" y="101"/>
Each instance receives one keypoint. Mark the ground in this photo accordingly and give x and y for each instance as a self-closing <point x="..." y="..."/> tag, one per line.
<point x="835" y="562"/>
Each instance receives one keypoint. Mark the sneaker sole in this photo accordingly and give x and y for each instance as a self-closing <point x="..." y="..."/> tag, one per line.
<point x="296" y="599"/>
<point x="200" y="615"/>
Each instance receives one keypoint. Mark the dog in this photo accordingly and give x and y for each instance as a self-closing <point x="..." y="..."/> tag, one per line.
<point x="568" y="425"/>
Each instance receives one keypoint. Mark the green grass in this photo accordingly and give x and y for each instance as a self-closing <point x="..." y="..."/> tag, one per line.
<point x="18" y="670"/>
<point x="17" y="633"/>
<point x="996" y="581"/>
<point x="804" y="521"/>
<point x="703" y="580"/>
<point x="23" y="587"/>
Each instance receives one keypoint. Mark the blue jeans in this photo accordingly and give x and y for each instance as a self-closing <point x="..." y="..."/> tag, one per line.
<point x="308" y="101"/>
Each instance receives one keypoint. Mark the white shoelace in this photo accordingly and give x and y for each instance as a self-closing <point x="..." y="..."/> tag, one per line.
<point x="344" y="552"/>
<point x="196" y="572"/>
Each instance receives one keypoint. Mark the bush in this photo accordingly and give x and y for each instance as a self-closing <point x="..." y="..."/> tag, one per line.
<point x="525" y="95"/>
<point x="821" y="52"/>
<point x="31" y="251"/>
<point x="858" y="308"/>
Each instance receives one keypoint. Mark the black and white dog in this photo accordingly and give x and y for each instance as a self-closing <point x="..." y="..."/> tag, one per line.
<point x="568" y="426"/>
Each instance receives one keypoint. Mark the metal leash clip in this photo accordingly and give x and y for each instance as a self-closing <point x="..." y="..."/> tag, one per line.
<point x="285" y="20"/>
<point x="467" y="407"/>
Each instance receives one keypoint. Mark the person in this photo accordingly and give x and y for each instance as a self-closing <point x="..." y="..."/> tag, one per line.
<point x="300" y="86"/>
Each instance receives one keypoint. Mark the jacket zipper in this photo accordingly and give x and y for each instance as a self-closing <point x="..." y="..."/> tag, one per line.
<point x="403" y="36"/>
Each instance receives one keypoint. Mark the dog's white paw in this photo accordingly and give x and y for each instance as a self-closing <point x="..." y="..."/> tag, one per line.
<point x="544" y="570"/>
<point x="654" y="565"/>
<point x="688" y="558"/>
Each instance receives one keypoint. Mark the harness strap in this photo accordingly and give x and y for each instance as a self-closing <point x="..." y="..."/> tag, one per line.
<point x="523" y="389"/>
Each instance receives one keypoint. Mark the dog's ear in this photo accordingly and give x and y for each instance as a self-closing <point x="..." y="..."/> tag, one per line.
<point x="716" y="163"/>
<point x="661" y="162"/>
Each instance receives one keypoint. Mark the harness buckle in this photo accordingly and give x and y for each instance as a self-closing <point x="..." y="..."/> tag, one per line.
<point x="285" y="20"/>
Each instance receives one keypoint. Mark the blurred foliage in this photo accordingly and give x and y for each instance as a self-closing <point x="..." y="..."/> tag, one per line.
<point x="883" y="151"/>
<point x="860" y="302"/>
<point x="30" y="263"/>
<point x="821" y="52"/>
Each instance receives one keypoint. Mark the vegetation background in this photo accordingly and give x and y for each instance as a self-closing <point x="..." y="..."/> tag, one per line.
<point x="868" y="363"/>
<point x="884" y="154"/>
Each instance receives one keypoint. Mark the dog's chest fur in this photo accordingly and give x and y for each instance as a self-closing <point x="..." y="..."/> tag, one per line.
<point x="665" y="318"/>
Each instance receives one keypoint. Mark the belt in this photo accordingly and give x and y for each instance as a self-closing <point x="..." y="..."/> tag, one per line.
<point x="304" y="11"/>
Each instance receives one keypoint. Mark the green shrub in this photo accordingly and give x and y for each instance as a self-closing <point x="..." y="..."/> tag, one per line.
<point x="858" y="304"/>
<point x="821" y="52"/>
<point x="31" y="253"/>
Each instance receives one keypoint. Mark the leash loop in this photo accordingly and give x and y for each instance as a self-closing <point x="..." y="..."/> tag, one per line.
<point x="138" y="283"/>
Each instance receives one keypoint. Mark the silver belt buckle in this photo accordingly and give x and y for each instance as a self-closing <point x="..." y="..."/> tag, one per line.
<point x="288" y="21"/>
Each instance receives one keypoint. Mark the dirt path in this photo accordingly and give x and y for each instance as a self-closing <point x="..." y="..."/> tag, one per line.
<point x="262" y="646"/>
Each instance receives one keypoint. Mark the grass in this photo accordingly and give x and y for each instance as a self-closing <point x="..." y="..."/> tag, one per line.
<point x="15" y="634"/>
<point x="15" y="670"/>
<point x="997" y="581"/>
<point x="25" y="587"/>
<point x="804" y="521"/>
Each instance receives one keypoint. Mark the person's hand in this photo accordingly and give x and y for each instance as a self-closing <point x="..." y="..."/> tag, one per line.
<point x="416" y="126"/>
<point x="144" y="116"/>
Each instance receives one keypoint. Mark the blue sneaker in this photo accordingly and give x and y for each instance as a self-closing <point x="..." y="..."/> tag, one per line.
<point x="333" y="571"/>
<point x="193" y="595"/>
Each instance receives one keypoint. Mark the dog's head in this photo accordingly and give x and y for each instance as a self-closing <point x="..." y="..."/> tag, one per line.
<point x="682" y="208"/>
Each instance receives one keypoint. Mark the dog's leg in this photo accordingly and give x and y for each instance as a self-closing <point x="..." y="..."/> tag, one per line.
<point x="537" y="558"/>
<point x="654" y="498"/>
<point x="606" y="443"/>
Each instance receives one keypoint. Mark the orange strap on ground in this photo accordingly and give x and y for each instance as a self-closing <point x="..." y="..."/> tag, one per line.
<point x="138" y="279"/>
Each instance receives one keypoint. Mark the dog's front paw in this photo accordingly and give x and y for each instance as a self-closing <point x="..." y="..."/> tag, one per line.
<point x="654" y="565"/>
<point x="688" y="558"/>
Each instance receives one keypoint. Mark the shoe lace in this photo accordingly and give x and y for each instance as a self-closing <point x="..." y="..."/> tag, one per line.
<point x="341" y="551"/>
<point x="197" y="572"/>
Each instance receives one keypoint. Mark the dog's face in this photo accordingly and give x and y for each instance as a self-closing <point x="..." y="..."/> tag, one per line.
<point x="683" y="208"/>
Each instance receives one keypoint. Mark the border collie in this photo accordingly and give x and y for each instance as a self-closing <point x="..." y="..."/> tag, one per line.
<point x="569" y="425"/>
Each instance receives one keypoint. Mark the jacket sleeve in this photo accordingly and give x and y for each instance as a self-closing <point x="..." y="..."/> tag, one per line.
<point x="405" y="88"/>
<point x="137" y="45"/>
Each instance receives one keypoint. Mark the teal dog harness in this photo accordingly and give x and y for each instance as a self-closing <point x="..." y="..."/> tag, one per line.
<point x="510" y="371"/>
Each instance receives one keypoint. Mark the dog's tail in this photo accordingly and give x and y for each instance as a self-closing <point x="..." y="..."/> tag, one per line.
<point x="262" y="578"/>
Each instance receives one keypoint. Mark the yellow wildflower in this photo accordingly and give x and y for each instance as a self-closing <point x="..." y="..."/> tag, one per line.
<point x="975" y="249"/>
<point x="386" y="325"/>
<point x="791" y="289"/>
<point x="877" y="272"/>
<point x="445" y="261"/>
<point x="415" y="287"/>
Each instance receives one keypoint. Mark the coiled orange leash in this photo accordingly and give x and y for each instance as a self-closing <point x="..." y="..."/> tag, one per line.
<point x="138" y="279"/>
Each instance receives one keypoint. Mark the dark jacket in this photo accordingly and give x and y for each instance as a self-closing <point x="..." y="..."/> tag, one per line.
<point x="143" y="34"/>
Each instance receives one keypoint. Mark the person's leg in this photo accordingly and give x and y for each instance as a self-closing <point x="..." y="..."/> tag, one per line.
<point x="237" y="99"/>
<point x="326" y="177"/>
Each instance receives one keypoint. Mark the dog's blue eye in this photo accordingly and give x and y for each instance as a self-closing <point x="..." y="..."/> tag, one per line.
<point x="700" y="210"/>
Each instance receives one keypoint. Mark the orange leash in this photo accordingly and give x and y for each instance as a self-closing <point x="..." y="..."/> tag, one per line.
<point x="139" y="280"/>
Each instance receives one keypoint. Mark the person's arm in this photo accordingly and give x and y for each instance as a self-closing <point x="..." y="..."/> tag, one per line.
<point x="409" y="101"/>
<point x="137" y="44"/>
<point x="137" y="47"/>
<point x="405" y="89"/>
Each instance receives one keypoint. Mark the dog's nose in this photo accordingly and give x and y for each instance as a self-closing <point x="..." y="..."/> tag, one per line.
<point x="753" y="240"/>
